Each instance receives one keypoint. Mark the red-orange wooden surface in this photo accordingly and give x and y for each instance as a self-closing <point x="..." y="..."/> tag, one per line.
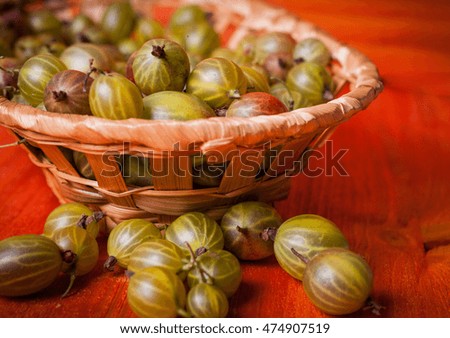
<point x="394" y="203"/>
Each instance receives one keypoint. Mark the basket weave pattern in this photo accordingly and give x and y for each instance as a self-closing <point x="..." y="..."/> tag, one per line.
<point x="170" y="144"/>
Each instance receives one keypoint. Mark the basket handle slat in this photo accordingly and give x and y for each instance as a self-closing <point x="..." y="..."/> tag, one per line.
<point x="287" y="156"/>
<point x="109" y="177"/>
<point x="241" y="171"/>
<point x="55" y="155"/>
<point x="171" y="173"/>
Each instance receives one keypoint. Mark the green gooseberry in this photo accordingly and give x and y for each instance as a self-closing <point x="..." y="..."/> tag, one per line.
<point x="195" y="232"/>
<point x="72" y="214"/>
<point x="338" y="281"/>
<point x="118" y="21"/>
<point x="113" y="96"/>
<point x="207" y="301"/>
<point x="156" y="292"/>
<point x="35" y="74"/>
<point x="217" y="81"/>
<point x="312" y="50"/>
<point x="147" y="29"/>
<point x="125" y="237"/>
<point x="311" y="80"/>
<point x="219" y="268"/>
<point x="171" y="105"/>
<point x="301" y="237"/>
<point x="160" y="65"/>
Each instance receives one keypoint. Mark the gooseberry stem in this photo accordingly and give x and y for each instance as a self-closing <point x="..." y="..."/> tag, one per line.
<point x="192" y="260"/>
<point x="200" y="251"/>
<point x="190" y="251"/>
<point x="92" y="69"/>
<point x="59" y="95"/>
<point x="10" y="71"/>
<point x="282" y="63"/>
<point x="291" y="104"/>
<point x="129" y="273"/>
<point x="48" y="48"/>
<point x="83" y="38"/>
<point x="205" y="276"/>
<point x="268" y="234"/>
<point x="68" y="257"/>
<point x="85" y="220"/>
<point x="297" y="254"/>
<point x="159" y="52"/>
<point x="194" y="264"/>
<point x="162" y="227"/>
<point x="183" y="313"/>
<point x="234" y="94"/>
<point x="242" y="230"/>
<point x="72" y="280"/>
<point x="373" y="306"/>
<point x="110" y="262"/>
<point x="221" y="112"/>
<point x="82" y="221"/>
<point x="88" y="74"/>
<point x="96" y="216"/>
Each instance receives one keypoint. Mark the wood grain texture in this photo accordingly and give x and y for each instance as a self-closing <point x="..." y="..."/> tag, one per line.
<point x="394" y="200"/>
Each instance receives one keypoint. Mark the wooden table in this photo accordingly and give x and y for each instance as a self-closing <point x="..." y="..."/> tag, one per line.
<point x="393" y="206"/>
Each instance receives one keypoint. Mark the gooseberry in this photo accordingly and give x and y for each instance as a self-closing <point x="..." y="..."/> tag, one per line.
<point x="83" y="166"/>
<point x="67" y="92"/>
<point x="156" y="293"/>
<point x="311" y="80"/>
<point x="217" y="81"/>
<point x="118" y="21"/>
<point x="80" y="252"/>
<point x="199" y="230"/>
<point x="114" y="97"/>
<point x="125" y="237"/>
<point x="34" y="75"/>
<point x="71" y="214"/>
<point x="219" y="268"/>
<point x="305" y="236"/>
<point x="272" y="42"/>
<point x="159" y="65"/>
<point x="147" y="29"/>
<point x="207" y="301"/>
<point x="312" y="50"/>
<point x="256" y="80"/>
<point x="338" y="281"/>
<point x="157" y="252"/>
<point x="292" y="99"/>
<point x="171" y="105"/>
<point x="254" y="104"/>
<point x="28" y="264"/>
<point x="79" y="57"/>
<point x="249" y="229"/>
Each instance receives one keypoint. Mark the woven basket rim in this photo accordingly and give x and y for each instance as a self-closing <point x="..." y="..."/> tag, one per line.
<point x="216" y="132"/>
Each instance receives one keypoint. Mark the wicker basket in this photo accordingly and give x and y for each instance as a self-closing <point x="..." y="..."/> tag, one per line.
<point x="170" y="145"/>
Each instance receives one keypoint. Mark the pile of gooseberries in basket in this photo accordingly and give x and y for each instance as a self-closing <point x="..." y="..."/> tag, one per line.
<point x="127" y="66"/>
